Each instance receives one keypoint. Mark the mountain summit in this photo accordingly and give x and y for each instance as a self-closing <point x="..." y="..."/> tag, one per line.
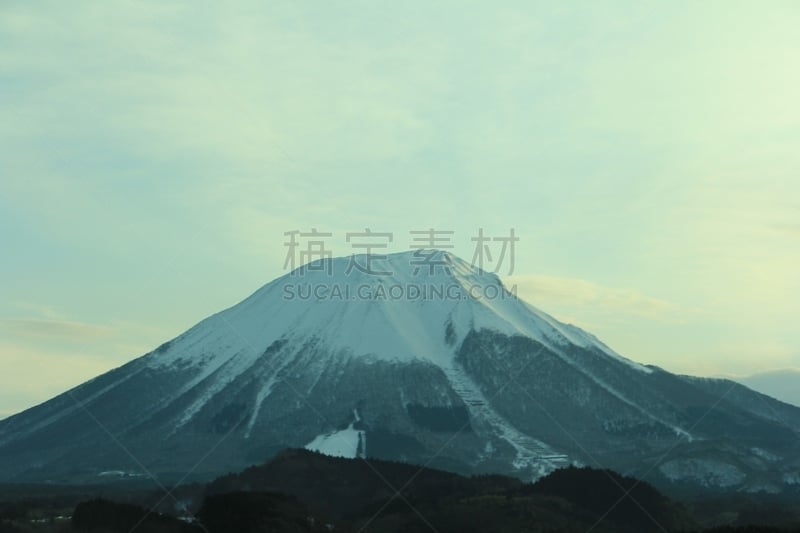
<point x="414" y="356"/>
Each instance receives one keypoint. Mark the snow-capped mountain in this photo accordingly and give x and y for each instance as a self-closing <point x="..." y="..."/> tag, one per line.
<point x="431" y="361"/>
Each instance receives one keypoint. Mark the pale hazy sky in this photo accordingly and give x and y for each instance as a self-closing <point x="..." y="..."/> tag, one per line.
<point x="153" y="153"/>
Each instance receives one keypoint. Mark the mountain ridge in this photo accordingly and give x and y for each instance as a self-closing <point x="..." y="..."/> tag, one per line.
<point x="466" y="380"/>
<point x="782" y="384"/>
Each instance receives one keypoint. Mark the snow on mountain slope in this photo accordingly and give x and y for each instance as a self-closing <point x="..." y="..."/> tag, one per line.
<point x="421" y="363"/>
<point x="387" y="324"/>
<point x="530" y="453"/>
<point x="397" y="317"/>
<point x="349" y="442"/>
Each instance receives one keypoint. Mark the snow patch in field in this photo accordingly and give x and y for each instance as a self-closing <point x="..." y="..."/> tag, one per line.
<point x="119" y="474"/>
<point x="349" y="443"/>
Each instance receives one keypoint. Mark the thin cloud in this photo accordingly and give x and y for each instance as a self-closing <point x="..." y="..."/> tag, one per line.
<point x="577" y="293"/>
<point x="45" y="329"/>
<point x="787" y="228"/>
<point x="34" y="373"/>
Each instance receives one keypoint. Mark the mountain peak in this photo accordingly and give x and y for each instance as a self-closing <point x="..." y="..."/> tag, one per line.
<point x="420" y="265"/>
<point x="409" y="306"/>
<point x="390" y="306"/>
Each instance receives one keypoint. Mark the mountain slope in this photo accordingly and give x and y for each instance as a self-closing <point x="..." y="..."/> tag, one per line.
<point x="781" y="384"/>
<point x="465" y="377"/>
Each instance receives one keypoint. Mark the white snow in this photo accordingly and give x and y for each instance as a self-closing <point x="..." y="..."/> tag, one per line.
<point x="119" y="473"/>
<point x="265" y="391"/>
<point x="362" y="323"/>
<point x="389" y="328"/>
<point x="343" y="443"/>
<point x="530" y="453"/>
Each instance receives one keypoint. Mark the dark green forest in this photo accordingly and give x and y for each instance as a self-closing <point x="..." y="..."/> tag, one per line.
<point x="301" y="491"/>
